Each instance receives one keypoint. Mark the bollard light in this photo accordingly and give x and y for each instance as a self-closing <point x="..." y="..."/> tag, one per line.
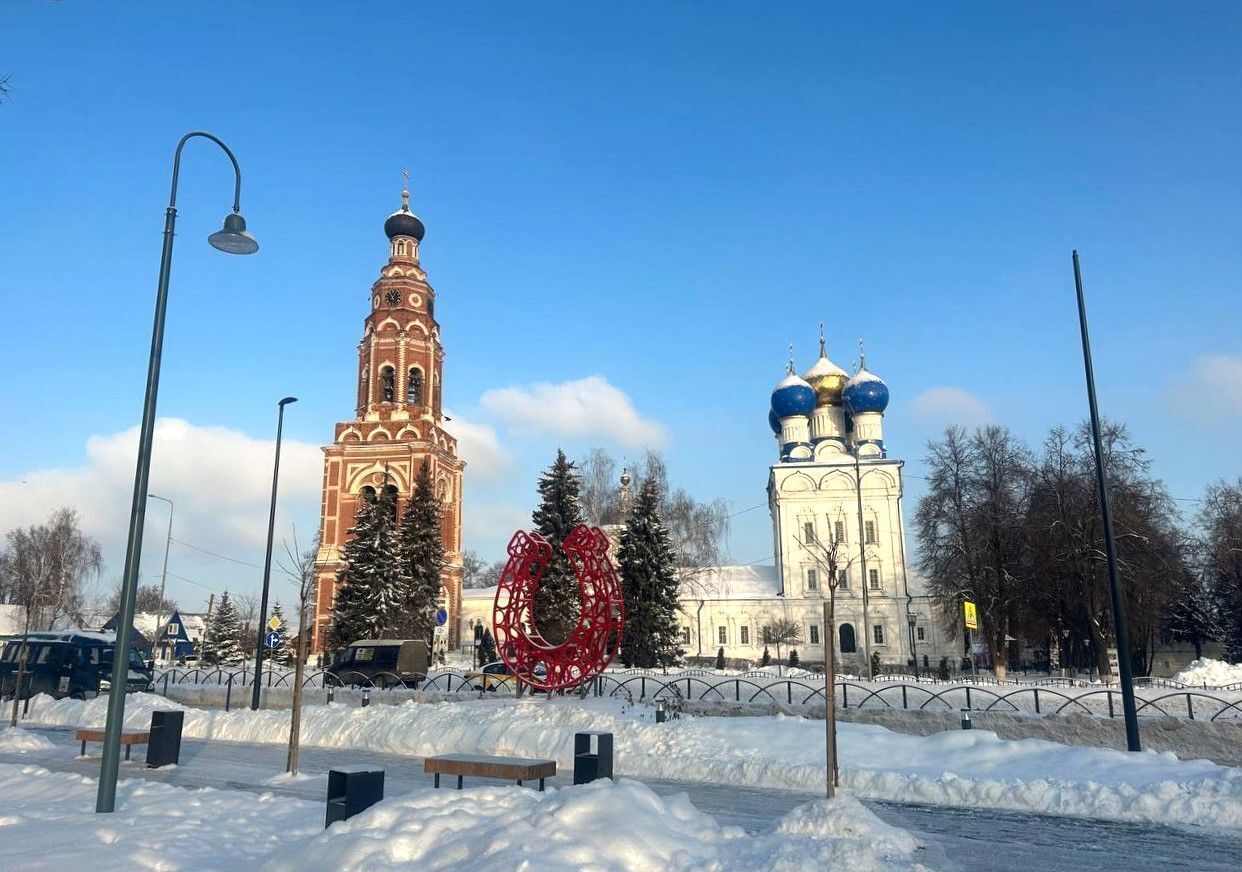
<point x="366" y="697"/>
<point x="331" y="690"/>
<point x="661" y="713"/>
<point x="966" y="725"/>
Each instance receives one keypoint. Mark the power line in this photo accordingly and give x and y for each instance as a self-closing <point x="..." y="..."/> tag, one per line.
<point x="214" y="554"/>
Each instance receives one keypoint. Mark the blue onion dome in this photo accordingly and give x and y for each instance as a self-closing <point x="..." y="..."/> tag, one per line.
<point x="403" y="222"/>
<point x="826" y="379"/>
<point x="865" y="392"/>
<point x="773" y="421"/>
<point x="792" y="396"/>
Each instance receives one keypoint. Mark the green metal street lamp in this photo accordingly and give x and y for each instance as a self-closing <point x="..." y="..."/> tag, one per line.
<point x="232" y="239"/>
<point x="267" y="560"/>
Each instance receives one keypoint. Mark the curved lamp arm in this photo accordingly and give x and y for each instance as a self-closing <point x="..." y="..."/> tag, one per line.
<point x="172" y="196"/>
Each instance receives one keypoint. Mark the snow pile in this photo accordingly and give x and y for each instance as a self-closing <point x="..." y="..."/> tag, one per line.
<point x="49" y="824"/>
<point x="621" y="826"/>
<point x="15" y="740"/>
<point x="48" y="820"/>
<point x="957" y="768"/>
<point x="1213" y="673"/>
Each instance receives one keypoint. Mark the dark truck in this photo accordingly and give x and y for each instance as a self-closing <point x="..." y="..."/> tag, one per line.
<point x="74" y="663"/>
<point x="381" y="663"/>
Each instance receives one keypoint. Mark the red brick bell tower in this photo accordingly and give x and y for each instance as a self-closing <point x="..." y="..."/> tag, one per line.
<point x="398" y="420"/>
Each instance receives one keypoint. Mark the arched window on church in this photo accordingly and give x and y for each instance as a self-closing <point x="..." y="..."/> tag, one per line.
<point x="387" y="384"/>
<point x="848" y="644"/>
<point x="367" y="493"/>
<point x="414" y="389"/>
<point x="362" y="386"/>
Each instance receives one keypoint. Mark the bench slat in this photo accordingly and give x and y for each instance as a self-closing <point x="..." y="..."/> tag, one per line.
<point x="479" y="765"/>
<point x="131" y="737"/>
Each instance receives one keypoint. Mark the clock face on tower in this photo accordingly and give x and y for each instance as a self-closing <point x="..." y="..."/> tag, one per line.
<point x="392" y="298"/>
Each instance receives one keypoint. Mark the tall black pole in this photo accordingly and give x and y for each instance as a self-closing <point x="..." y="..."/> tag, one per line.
<point x="267" y="560"/>
<point x="1110" y="546"/>
<point x="105" y="800"/>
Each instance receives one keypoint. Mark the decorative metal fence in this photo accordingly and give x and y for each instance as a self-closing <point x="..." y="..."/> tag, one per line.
<point x="764" y="687"/>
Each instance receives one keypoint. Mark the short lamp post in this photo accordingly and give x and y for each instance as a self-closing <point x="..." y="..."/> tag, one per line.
<point x="232" y="239"/>
<point x="267" y="559"/>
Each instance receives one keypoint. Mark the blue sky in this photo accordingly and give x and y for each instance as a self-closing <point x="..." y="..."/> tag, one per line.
<point x="654" y="194"/>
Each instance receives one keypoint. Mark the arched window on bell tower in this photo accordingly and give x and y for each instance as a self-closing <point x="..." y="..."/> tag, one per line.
<point x="414" y="388"/>
<point x="387" y="384"/>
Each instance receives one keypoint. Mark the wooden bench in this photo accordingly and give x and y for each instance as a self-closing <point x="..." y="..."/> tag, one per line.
<point x="129" y="738"/>
<point x="517" y="769"/>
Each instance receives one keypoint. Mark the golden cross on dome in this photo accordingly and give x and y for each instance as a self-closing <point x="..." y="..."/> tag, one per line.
<point x="791" y="363"/>
<point x="405" y="190"/>
<point x="862" y="354"/>
<point x="823" y="352"/>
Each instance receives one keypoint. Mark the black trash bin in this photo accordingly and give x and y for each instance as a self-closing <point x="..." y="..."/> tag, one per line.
<point x="588" y="766"/>
<point x="352" y="789"/>
<point x="164" y="746"/>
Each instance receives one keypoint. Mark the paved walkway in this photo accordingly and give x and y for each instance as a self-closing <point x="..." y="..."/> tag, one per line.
<point x="964" y="839"/>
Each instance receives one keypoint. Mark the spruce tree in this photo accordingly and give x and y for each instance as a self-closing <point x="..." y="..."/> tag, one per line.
<point x="645" y="559"/>
<point x="793" y="657"/>
<point x="369" y="581"/>
<point x="766" y="660"/>
<point x="557" y="607"/>
<point x="720" y="658"/>
<point x="282" y="656"/>
<point x="420" y="555"/>
<point x="221" y="646"/>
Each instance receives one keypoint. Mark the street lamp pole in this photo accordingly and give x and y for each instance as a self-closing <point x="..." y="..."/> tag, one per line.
<point x="267" y="560"/>
<point x="1110" y="546"/>
<point x="232" y="239"/>
<point x="159" y="607"/>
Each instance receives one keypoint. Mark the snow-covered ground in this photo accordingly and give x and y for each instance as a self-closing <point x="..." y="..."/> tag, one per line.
<point x="1213" y="673"/>
<point x="49" y="823"/>
<point x="959" y="768"/>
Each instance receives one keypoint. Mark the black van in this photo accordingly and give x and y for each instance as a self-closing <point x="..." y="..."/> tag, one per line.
<point x="72" y="663"/>
<point x="381" y="663"/>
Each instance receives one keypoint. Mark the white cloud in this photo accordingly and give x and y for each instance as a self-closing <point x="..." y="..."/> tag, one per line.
<point x="478" y="445"/>
<point x="219" y="479"/>
<point x="583" y="407"/>
<point x="1213" y="375"/>
<point x="942" y="406"/>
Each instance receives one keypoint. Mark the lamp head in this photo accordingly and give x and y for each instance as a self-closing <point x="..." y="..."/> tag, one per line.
<point x="234" y="239"/>
<point x="287" y="400"/>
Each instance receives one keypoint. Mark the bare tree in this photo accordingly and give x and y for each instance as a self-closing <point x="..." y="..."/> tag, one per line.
<point x="247" y="605"/>
<point x="44" y="568"/>
<point x="299" y="565"/>
<point x="1220" y="520"/>
<point x="698" y="530"/>
<point x="782" y="632"/>
<point x="5" y="89"/>
<point x="148" y="600"/>
<point x="972" y="530"/>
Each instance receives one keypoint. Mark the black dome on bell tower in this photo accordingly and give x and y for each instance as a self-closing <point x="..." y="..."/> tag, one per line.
<point x="403" y="222"/>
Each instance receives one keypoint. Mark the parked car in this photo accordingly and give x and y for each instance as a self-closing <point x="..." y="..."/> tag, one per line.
<point x="381" y="663"/>
<point x="497" y="673"/>
<point x="74" y="663"/>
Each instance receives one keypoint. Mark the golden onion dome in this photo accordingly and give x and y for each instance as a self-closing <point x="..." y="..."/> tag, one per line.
<point x="827" y="379"/>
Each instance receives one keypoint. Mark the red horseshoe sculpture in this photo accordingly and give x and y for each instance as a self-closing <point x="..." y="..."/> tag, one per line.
<point x="593" y="642"/>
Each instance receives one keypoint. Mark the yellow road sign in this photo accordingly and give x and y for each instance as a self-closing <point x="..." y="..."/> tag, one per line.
<point x="972" y="615"/>
<point x="273" y="623"/>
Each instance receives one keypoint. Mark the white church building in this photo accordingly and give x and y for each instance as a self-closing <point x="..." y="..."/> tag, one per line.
<point x="836" y="501"/>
